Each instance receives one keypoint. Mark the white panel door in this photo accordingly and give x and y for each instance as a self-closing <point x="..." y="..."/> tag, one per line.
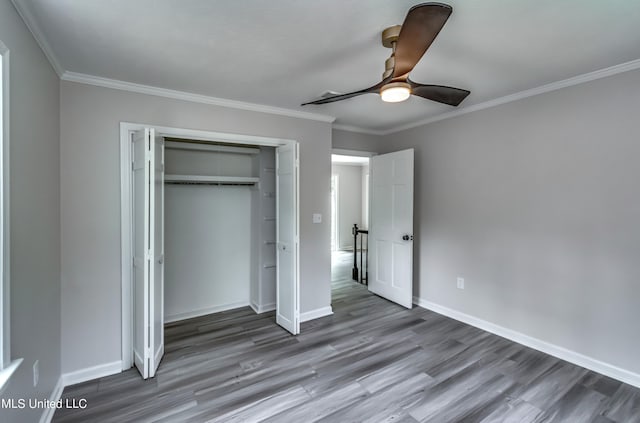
<point x="156" y="286"/>
<point x="141" y="246"/>
<point x="287" y="284"/>
<point x="391" y="227"/>
<point x="148" y="251"/>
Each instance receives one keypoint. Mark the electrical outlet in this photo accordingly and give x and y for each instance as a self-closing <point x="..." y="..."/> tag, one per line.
<point x="36" y="373"/>
<point x="317" y="218"/>
<point x="460" y="283"/>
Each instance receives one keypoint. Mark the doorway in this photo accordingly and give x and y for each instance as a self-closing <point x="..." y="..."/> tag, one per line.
<point x="142" y="188"/>
<point x="380" y="246"/>
<point x="349" y="214"/>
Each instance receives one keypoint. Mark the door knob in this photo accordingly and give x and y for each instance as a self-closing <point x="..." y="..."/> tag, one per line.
<point x="406" y="237"/>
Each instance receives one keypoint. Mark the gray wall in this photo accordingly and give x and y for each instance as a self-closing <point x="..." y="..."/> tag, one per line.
<point x="357" y="141"/>
<point x="536" y="204"/>
<point x="349" y="202"/>
<point x="90" y="180"/>
<point x="35" y="216"/>
<point x="264" y="228"/>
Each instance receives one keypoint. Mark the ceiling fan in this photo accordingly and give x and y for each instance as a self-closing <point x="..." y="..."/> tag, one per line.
<point x="409" y="42"/>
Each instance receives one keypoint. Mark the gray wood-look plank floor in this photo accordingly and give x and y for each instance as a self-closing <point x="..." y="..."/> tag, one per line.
<point x="372" y="361"/>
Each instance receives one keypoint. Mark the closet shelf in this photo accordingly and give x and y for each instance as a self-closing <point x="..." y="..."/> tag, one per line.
<point x="212" y="180"/>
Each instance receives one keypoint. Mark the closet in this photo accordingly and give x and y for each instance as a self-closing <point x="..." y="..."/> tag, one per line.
<point x="219" y="228"/>
<point x="210" y="222"/>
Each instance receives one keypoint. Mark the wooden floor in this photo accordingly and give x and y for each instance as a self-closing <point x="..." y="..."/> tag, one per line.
<point x="372" y="361"/>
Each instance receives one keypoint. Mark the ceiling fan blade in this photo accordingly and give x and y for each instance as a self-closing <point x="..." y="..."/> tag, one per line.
<point x="338" y="97"/>
<point x="441" y="94"/>
<point x="420" y="28"/>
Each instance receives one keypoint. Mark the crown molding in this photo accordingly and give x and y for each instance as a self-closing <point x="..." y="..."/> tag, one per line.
<point x="576" y="80"/>
<point x="358" y="129"/>
<point x="30" y="22"/>
<point x="36" y="31"/>
<point x="186" y="96"/>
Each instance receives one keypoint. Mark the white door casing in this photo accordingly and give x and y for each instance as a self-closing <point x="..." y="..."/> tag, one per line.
<point x="287" y="239"/>
<point x="391" y="227"/>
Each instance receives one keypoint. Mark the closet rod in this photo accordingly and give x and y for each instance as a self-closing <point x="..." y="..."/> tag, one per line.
<point x="243" y="184"/>
<point x="205" y="179"/>
<point x="182" y="145"/>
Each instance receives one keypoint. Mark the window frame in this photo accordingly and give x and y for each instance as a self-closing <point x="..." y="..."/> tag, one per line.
<point x="7" y="367"/>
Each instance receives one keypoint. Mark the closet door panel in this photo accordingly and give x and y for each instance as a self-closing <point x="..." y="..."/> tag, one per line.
<point x="287" y="296"/>
<point x="141" y="247"/>
<point x="157" y="262"/>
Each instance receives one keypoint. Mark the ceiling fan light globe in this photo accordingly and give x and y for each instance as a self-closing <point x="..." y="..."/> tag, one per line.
<point x="395" y="92"/>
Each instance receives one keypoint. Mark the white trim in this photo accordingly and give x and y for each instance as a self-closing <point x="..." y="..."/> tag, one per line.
<point x="7" y="372"/>
<point x="356" y="153"/>
<point x="204" y="311"/>
<point x="5" y="228"/>
<point x="348" y="164"/>
<point x="56" y="394"/>
<point x="358" y="129"/>
<point x="259" y="309"/>
<point x="90" y="373"/>
<point x="31" y="23"/>
<point x="569" y="82"/>
<point x="316" y="314"/>
<point x="562" y="353"/>
<point x="192" y="97"/>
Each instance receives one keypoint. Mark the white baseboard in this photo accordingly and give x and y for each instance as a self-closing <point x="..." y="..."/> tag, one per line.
<point x="56" y="394"/>
<point x="91" y="373"/>
<point x="259" y="309"/>
<point x="204" y="311"/>
<point x="562" y="353"/>
<point x="316" y="314"/>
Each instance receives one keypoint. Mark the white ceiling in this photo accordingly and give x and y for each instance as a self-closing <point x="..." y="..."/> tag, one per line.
<point x="284" y="52"/>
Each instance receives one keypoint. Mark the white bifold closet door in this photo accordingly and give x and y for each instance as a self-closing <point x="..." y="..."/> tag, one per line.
<point x="148" y="251"/>
<point x="391" y="227"/>
<point x="287" y="239"/>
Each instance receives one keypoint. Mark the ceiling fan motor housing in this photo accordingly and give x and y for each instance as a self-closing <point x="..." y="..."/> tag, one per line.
<point x="390" y="35"/>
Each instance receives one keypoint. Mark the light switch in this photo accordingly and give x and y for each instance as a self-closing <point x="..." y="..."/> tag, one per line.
<point x="317" y="218"/>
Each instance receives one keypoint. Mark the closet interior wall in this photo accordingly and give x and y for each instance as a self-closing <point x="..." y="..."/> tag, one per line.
<point x="218" y="250"/>
<point x="263" y="290"/>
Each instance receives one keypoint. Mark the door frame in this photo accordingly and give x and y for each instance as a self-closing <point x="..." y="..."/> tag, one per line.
<point x="335" y="206"/>
<point x="126" y="210"/>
